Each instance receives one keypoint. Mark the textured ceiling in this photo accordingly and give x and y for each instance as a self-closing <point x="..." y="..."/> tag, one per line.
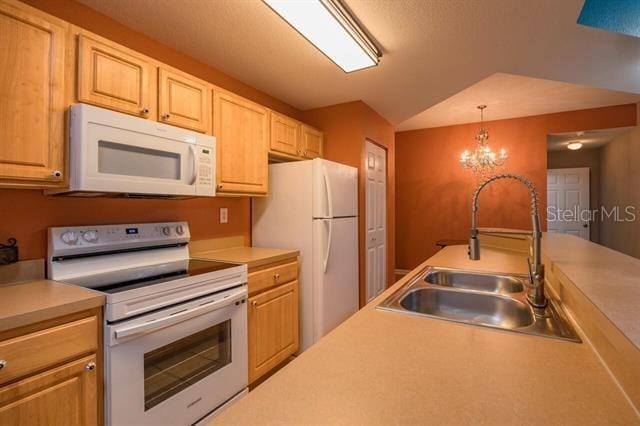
<point x="432" y="49"/>
<point x="589" y="139"/>
<point x="510" y="96"/>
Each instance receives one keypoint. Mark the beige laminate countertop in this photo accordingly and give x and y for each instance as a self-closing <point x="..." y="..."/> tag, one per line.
<point x="251" y="256"/>
<point x="610" y="279"/>
<point x="381" y="368"/>
<point x="34" y="301"/>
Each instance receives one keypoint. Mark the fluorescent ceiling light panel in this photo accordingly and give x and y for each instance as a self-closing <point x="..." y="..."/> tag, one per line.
<point x="327" y="25"/>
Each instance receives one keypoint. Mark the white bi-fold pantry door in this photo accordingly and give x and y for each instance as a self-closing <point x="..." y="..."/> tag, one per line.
<point x="376" y="219"/>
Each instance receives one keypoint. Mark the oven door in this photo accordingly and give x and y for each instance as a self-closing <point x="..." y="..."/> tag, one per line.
<point x="175" y="366"/>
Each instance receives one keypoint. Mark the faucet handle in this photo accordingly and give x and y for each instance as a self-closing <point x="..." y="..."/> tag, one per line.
<point x="530" y="271"/>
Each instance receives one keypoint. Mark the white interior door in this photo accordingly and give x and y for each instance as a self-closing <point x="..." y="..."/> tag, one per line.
<point x="376" y="221"/>
<point x="568" y="201"/>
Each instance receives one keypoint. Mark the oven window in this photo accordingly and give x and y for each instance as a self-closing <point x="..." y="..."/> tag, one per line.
<point x="174" y="367"/>
<point x="121" y="159"/>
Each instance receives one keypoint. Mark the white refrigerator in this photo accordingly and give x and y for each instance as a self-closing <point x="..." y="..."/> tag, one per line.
<point x="313" y="207"/>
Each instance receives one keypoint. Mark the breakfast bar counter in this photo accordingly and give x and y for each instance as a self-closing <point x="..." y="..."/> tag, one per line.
<point x="381" y="367"/>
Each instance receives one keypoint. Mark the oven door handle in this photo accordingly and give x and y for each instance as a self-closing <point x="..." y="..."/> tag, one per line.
<point x="179" y="316"/>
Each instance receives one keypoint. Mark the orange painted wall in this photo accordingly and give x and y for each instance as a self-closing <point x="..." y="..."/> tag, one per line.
<point x="434" y="193"/>
<point x="25" y="214"/>
<point x="346" y="127"/>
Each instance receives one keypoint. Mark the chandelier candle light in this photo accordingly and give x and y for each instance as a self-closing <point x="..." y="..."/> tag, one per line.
<point x="483" y="160"/>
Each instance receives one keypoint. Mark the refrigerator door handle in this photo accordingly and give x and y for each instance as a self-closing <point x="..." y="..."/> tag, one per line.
<point x="329" y="238"/>
<point x="329" y="193"/>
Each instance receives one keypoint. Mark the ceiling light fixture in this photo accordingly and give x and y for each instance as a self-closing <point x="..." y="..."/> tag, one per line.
<point x="573" y="146"/>
<point x="482" y="161"/>
<point x="330" y="28"/>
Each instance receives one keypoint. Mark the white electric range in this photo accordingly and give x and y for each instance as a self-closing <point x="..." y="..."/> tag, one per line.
<point x="175" y="332"/>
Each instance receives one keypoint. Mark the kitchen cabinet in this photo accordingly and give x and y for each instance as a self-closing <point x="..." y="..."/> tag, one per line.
<point x="285" y="136"/>
<point x="241" y="129"/>
<point x="114" y="77"/>
<point x="183" y="100"/>
<point x="273" y="318"/>
<point x="50" y="372"/>
<point x="311" y="142"/>
<point x="32" y="79"/>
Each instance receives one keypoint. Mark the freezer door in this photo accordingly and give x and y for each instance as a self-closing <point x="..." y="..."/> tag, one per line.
<point x="335" y="272"/>
<point x="335" y="189"/>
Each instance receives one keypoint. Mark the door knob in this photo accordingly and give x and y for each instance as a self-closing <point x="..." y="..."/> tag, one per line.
<point x="585" y="225"/>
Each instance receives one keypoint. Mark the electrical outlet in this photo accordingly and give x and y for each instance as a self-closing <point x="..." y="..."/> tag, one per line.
<point x="224" y="215"/>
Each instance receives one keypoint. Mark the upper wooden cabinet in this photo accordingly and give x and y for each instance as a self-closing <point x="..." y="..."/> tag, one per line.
<point x="32" y="47"/>
<point x="312" y="141"/>
<point x="115" y="77"/>
<point x="183" y="100"/>
<point x="241" y="129"/>
<point x="285" y="135"/>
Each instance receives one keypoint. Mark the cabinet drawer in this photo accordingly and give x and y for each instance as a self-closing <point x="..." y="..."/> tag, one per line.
<point x="32" y="352"/>
<point x="271" y="277"/>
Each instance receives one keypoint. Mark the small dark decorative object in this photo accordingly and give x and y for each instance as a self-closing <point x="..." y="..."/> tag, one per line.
<point x="9" y="252"/>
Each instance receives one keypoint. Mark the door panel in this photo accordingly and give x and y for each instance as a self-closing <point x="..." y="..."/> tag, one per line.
<point x="336" y="288"/>
<point x="114" y="77"/>
<point x="335" y="189"/>
<point x="568" y="201"/>
<point x="273" y="328"/>
<point x="241" y="129"/>
<point x="312" y="142"/>
<point x="376" y="228"/>
<point x="31" y="97"/>
<point x="285" y="135"/>
<point x="183" y="101"/>
<point x="65" y="395"/>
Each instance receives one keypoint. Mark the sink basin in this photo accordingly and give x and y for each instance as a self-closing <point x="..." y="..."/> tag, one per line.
<point x="486" y="309"/>
<point x="480" y="299"/>
<point x="475" y="281"/>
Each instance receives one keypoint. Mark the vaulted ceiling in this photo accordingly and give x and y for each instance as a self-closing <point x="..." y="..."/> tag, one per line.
<point x="432" y="49"/>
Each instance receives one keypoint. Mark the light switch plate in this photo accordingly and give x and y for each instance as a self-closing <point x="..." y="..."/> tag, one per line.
<point x="224" y="215"/>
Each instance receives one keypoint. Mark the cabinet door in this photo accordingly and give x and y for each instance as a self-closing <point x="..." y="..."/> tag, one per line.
<point x="183" y="101"/>
<point x="311" y="142"/>
<point x="241" y="129"/>
<point x="285" y="135"/>
<point x="66" y="395"/>
<point x="273" y="328"/>
<point x="115" y="77"/>
<point x="32" y="48"/>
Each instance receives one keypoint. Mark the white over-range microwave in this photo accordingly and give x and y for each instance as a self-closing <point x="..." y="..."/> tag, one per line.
<point x="116" y="154"/>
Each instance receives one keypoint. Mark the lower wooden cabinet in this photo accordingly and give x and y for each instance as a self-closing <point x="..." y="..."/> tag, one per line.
<point x="65" y="395"/>
<point x="50" y="372"/>
<point x="273" y="323"/>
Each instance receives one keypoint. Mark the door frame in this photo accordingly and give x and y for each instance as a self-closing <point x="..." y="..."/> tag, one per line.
<point x="363" y="238"/>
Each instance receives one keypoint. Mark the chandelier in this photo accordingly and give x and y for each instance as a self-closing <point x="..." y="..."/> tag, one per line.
<point x="483" y="160"/>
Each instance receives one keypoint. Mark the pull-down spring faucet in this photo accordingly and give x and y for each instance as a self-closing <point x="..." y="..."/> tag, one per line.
<point x="535" y="288"/>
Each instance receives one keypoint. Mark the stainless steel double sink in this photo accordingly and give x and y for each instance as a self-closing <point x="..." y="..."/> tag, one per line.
<point x="479" y="298"/>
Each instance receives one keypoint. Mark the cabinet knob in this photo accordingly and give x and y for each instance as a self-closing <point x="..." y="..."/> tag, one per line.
<point x="56" y="173"/>
<point x="254" y="303"/>
<point x="166" y="116"/>
<point x="276" y="276"/>
<point x="3" y="363"/>
<point x="219" y="186"/>
<point x="145" y="111"/>
<point x="90" y="366"/>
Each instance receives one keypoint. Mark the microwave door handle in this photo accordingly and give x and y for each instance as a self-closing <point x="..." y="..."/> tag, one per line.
<point x="178" y="317"/>
<point x="194" y="163"/>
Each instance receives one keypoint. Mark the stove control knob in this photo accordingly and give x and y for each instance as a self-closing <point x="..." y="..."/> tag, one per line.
<point x="69" y="237"/>
<point x="166" y="230"/>
<point x="179" y="230"/>
<point x="90" y="236"/>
